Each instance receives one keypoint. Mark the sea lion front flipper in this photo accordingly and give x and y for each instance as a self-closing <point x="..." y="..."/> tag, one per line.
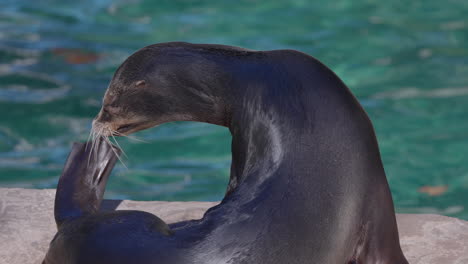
<point x="82" y="184"/>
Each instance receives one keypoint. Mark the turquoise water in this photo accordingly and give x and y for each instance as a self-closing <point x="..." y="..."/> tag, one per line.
<point x="406" y="61"/>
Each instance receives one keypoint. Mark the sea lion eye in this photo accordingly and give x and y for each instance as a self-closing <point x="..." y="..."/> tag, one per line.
<point x="140" y="83"/>
<point x="110" y="109"/>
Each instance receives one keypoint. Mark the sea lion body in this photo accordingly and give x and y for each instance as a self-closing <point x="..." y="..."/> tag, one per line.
<point x="307" y="183"/>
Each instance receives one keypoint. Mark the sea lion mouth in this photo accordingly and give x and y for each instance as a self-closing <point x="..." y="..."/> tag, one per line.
<point x="126" y="128"/>
<point x="129" y="128"/>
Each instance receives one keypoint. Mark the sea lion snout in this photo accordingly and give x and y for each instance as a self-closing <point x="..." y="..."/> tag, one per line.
<point x="109" y="124"/>
<point x="101" y="128"/>
<point x="108" y="121"/>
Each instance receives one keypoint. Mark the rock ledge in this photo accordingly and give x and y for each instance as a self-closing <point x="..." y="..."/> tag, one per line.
<point x="27" y="226"/>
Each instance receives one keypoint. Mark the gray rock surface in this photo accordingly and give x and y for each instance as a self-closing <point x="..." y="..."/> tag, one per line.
<point x="27" y="225"/>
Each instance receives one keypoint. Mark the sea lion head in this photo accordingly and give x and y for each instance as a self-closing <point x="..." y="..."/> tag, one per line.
<point x="157" y="85"/>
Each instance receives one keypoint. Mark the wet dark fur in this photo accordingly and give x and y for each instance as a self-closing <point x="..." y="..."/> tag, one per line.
<point x="307" y="183"/>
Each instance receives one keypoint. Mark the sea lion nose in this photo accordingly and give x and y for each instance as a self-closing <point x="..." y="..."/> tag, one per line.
<point x="103" y="116"/>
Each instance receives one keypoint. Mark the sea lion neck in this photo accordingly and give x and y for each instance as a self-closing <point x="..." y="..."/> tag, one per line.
<point x="255" y="121"/>
<point x="237" y="86"/>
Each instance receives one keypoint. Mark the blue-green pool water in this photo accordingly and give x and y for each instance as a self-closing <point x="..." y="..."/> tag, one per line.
<point x="406" y="61"/>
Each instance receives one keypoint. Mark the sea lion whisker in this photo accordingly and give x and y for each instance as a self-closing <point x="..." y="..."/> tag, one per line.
<point x="118" y="145"/>
<point x="135" y="138"/>
<point x="107" y="140"/>
<point x="96" y="135"/>
<point x="87" y="141"/>
<point x="93" y="140"/>
<point x="117" y="133"/>
<point x="99" y="136"/>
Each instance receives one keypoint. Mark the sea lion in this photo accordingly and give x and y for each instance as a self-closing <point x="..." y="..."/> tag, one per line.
<point x="307" y="183"/>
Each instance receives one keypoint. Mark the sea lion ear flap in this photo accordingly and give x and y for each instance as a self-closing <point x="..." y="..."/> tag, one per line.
<point x="140" y="83"/>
